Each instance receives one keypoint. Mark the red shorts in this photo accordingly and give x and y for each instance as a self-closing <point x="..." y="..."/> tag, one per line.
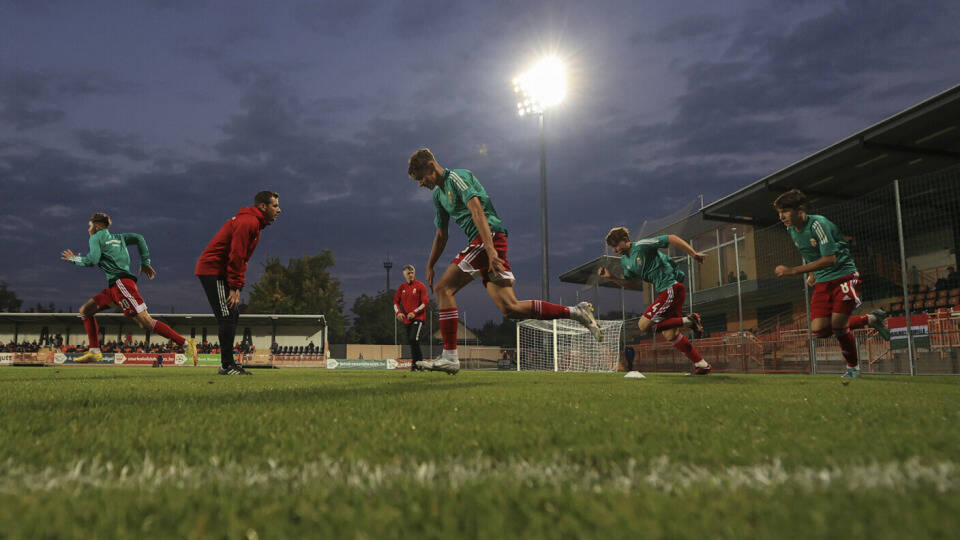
<point x="841" y="295"/>
<point x="473" y="260"/>
<point x="123" y="293"/>
<point x="669" y="304"/>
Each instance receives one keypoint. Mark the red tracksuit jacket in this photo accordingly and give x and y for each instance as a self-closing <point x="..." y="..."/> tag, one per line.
<point x="409" y="298"/>
<point x="230" y="250"/>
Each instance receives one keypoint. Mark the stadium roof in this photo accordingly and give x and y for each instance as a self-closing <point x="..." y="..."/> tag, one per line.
<point x="586" y="272"/>
<point x="922" y="139"/>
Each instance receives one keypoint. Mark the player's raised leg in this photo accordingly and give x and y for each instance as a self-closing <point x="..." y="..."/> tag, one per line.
<point x="146" y="322"/>
<point x="505" y="298"/>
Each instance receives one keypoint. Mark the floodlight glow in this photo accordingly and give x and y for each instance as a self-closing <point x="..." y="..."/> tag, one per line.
<point x="545" y="85"/>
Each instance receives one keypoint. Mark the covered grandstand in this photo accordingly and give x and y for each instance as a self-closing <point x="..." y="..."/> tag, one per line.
<point x="894" y="190"/>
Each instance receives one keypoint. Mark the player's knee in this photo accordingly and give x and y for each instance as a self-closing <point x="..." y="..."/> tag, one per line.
<point x="512" y="310"/>
<point x="823" y="332"/>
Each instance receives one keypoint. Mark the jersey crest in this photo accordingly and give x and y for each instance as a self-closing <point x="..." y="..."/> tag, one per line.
<point x="450" y="195"/>
<point x="813" y="242"/>
<point x="640" y="261"/>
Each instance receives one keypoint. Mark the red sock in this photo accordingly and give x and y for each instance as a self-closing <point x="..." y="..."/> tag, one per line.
<point x="858" y="321"/>
<point x="848" y="346"/>
<point x="93" y="332"/>
<point x="667" y="324"/>
<point x="448" y="328"/>
<point x="167" y="332"/>
<point x="547" y="311"/>
<point x="683" y="345"/>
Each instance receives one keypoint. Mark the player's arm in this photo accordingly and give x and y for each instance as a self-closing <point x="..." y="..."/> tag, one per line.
<point x="439" y="243"/>
<point x="145" y="267"/>
<point x="483" y="229"/>
<point x="424" y="300"/>
<point x="828" y="254"/>
<point x="91" y="259"/>
<point x="631" y="284"/>
<point x="237" y="258"/>
<point x="397" y="308"/>
<point x="682" y="244"/>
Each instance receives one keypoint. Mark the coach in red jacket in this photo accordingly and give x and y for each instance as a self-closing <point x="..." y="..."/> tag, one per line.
<point x="410" y="306"/>
<point x="223" y="265"/>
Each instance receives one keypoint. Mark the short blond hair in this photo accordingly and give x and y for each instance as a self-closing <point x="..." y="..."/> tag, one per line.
<point x="617" y="235"/>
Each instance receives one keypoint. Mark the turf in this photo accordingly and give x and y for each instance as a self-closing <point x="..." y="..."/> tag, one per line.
<point x="181" y="452"/>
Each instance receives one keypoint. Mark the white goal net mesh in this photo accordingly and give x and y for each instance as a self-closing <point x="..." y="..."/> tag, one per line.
<point x="565" y="345"/>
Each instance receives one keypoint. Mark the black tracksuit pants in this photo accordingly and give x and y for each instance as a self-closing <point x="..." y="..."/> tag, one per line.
<point x="227" y="318"/>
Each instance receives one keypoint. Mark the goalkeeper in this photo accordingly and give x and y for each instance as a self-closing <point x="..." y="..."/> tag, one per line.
<point x="643" y="261"/>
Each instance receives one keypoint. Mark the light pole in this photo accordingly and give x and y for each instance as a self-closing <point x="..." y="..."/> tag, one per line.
<point x="538" y="89"/>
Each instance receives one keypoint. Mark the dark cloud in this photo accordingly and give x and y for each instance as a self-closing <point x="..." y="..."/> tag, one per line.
<point x="108" y="143"/>
<point x="33" y="98"/>
<point x="332" y="17"/>
<point x="695" y="26"/>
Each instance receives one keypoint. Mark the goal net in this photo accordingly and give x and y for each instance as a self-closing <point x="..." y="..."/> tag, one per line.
<point x="565" y="345"/>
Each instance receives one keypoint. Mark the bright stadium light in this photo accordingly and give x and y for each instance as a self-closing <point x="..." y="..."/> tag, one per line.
<point x="542" y="87"/>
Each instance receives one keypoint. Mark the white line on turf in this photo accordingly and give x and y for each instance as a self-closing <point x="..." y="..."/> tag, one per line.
<point x="660" y="474"/>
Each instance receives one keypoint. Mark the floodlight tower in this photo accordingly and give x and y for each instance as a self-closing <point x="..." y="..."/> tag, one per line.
<point x="542" y="87"/>
<point x="387" y="265"/>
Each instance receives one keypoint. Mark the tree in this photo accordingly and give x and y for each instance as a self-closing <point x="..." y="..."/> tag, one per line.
<point x="374" y="321"/>
<point x="503" y="334"/>
<point x="8" y="299"/>
<point x="303" y="287"/>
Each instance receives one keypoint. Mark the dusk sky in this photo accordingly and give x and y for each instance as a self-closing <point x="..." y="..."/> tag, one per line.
<point x="171" y="114"/>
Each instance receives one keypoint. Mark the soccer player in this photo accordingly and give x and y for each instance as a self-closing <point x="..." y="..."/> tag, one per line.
<point x="458" y="194"/>
<point x="410" y="307"/>
<point x="108" y="251"/>
<point x="643" y="261"/>
<point x="223" y="265"/>
<point x="832" y="274"/>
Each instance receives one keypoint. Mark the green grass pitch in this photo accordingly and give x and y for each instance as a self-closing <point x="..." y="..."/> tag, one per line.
<point x="180" y="452"/>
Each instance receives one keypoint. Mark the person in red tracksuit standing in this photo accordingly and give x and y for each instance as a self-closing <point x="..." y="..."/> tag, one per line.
<point x="223" y="264"/>
<point x="410" y="306"/>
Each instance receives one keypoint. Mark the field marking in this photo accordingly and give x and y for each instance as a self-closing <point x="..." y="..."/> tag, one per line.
<point x="660" y="474"/>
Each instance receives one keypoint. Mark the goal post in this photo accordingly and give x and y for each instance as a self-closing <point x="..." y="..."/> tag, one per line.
<point x="565" y="345"/>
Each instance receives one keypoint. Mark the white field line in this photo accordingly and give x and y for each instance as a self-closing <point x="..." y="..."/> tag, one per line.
<point x="328" y="473"/>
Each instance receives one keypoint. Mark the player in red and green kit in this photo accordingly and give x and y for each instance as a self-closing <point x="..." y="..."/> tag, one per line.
<point x="832" y="274"/>
<point x="641" y="261"/>
<point x="457" y="194"/>
<point x="108" y="251"/>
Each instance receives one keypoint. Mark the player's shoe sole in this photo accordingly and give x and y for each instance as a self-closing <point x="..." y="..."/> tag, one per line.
<point x="878" y="324"/>
<point x="583" y="314"/>
<point x="88" y="357"/>
<point x="851" y="374"/>
<point x="702" y="370"/>
<point x="450" y="367"/>
<point x="696" y="326"/>
<point x="634" y="375"/>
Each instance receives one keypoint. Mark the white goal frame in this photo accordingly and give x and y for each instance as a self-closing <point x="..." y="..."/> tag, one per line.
<point x="565" y="345"/>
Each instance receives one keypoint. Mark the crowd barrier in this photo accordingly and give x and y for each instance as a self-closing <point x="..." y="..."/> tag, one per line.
<point x="52" y="357"/>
